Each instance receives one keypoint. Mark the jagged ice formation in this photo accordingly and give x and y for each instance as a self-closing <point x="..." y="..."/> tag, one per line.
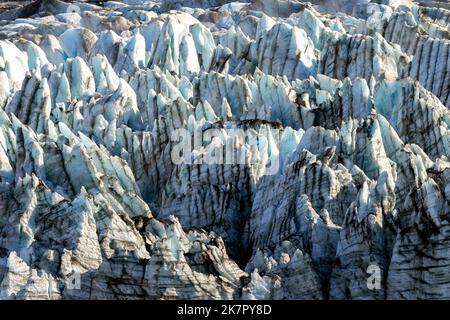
<point x="345" y="166"/>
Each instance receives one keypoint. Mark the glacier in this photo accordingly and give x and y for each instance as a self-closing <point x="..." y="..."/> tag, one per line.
<point x="343" y="167"/>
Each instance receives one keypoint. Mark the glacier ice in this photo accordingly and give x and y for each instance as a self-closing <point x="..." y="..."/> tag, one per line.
<point x="331" y="125"/>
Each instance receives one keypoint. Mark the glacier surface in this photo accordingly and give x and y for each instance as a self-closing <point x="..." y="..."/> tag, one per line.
<point x="344" y="167"/>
